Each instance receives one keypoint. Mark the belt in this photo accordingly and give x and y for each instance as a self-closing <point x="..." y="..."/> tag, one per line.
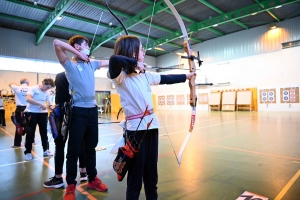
<point x="84" y="99"/>
<point x="148" y="112"/>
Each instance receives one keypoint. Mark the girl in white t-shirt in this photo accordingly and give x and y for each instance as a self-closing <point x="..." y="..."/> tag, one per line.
<point x="135" y="94"/>
<point x="37" y="97"/>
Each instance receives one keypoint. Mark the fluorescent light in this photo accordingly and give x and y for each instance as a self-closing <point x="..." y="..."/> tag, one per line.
<point x="277" y="6"/>
<point x="215" y="25"/>
<point x="160" y="49"/>
<point x="254" y="13"/>
<point x="59" y="18"/>
<point x="272" y="26"/>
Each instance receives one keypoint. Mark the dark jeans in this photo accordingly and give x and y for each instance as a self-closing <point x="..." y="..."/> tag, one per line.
<point x="83" y="128"/>
<point x="2" y="117"/>
<point x="40" y="119"/>
<point x="18" y="111"/>
<point x="144" y="167"/>
<point x="59" y="156"/>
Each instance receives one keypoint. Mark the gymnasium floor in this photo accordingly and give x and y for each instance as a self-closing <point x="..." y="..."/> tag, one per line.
<point x="228" y="153"/>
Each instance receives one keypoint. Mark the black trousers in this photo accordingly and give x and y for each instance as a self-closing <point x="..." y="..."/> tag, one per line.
<point x="83" y="128"/>
<point x="2" y="117"/>
<point x="18" y="138"/>
<point x="40" y="119"/>
<point x="59" y="156"/>
<point x="145" y="167"/>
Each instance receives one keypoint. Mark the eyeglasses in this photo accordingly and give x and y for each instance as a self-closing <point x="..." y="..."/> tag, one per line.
<point x="143" y="50"/>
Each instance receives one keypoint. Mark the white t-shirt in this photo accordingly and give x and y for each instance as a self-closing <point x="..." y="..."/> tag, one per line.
<point x="39" y="96"/>
<point x="135" y="93"/>
<point x="20" y="92"/>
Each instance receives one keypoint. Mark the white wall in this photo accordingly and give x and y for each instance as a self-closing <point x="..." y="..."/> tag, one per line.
<point x="270" y="70"/>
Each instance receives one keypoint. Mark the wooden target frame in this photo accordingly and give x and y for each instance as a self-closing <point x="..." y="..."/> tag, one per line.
<point x="180" y="99"/>
<point x="203" y="98"/>
<point x="289" y="95"/>
<point x="267" y="96"/>
<point x="161" y="100"/>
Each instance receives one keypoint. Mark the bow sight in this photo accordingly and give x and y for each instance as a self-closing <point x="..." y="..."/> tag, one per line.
<point x="192" y="58"/>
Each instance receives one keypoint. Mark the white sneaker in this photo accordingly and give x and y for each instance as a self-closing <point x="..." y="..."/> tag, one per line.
<point x="47" y="153"/>
<point x="28" y="156"/>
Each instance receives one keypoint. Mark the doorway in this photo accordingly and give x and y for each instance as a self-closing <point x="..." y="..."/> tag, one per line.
<point x="103" y="101"/>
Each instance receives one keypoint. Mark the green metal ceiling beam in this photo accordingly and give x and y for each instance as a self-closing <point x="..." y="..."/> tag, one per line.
<point x="60" y="8"/>
<point x="41" y="23"/>
<point x="221" y="12"/>
<point x="270" y="12"/>
<point x="224" y="18"/>
<point x="215" y="31"/>
<point x="28" y="4"/>
<point x="190" y="20"/>
<point x="194" y="39"/>
<point x="123" y="14"/>
<point x="142" y="16"/>
<point x="69" y="30"/>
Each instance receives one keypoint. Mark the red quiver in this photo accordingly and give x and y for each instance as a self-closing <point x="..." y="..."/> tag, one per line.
<point x="124" y="160"/>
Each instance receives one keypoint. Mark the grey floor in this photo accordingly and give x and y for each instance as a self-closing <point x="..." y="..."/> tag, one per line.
<point x="228" y="153"/>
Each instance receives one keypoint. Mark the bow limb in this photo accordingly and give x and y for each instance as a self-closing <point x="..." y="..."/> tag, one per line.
<point x="192" y="85"/>
<point x="116" y="18"/>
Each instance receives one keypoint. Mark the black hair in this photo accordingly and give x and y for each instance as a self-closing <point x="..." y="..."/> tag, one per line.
<point x="129" y="46"/>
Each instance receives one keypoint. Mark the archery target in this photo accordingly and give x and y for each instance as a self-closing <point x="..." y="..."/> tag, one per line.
<point x="180" y="99"/>
<point x="264" y="96"/>
<point x="161" y="100"/>
<point x="170" y="100"/>
<point x="286" y="96"/>
<point x="271" y="96"/>
<point x="293" y="95"/>
<point x="203" y="98"/>
<point x="289" y="95"/>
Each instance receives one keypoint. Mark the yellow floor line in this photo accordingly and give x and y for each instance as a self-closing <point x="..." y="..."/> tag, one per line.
<point x="287" y="186"/>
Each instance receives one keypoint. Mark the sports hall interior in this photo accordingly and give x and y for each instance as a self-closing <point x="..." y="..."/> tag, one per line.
<point x="246" y="140"/>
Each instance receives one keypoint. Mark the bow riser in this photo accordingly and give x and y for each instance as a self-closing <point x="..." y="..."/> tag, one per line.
<point x="192" y="81"/>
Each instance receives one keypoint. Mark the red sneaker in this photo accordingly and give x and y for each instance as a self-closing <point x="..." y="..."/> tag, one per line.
<point x="97" y="185"/>
<point x="70" y="192"/>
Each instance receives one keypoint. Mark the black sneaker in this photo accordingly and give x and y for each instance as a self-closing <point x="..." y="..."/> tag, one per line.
<point x="83" y="176"/>
<point x="54" y="183"/>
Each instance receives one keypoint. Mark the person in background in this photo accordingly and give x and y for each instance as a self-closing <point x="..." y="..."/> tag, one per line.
<point x="2" y="110"/>
<point x="136" y="95"/>
<point x="37" y="97"/>
<point x="84" y="120"/>
<point x="61" y="96"/>
<point x="20" y="96"/>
